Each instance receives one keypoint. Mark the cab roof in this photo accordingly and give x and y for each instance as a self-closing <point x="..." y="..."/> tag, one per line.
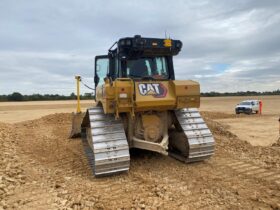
<point x="138" y="46"/>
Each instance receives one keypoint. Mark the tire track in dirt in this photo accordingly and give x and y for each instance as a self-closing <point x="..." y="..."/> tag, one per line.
<point x="249" y="169"/>
<point x="265" y="193"/>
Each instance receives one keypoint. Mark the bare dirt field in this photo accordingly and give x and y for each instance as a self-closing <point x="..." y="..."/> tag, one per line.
<point x="40" y="168"/>
<point x="13" y="112"/>
<point x="258" y="130"/>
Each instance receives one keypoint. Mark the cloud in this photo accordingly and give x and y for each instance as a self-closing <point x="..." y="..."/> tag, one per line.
<point x="45" y="43"/>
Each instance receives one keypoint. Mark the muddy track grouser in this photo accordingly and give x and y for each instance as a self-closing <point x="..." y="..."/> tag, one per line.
<point x="139" y="104"/>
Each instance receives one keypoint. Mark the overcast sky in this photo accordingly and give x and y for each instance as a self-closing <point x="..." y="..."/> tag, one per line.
<point x="228" y="45"/>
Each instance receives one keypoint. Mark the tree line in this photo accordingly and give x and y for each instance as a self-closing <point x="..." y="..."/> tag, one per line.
<point x="16" y="96"/>
<point x="241" y="93"/>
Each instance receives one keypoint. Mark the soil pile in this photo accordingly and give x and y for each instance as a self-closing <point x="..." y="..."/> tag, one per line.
<point x="11" y="169"/>
<point x="42" y="169"/>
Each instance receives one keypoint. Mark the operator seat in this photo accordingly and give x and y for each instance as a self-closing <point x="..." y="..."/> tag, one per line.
<point x="139" y="68"/>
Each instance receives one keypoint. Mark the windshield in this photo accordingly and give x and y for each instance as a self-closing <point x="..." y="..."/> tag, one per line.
<point x="154" y="67"/>
<point x="245" y="103"/>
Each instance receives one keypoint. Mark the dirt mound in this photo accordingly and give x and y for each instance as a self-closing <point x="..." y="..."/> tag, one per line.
<point x="277" y="144"/>
<point x="219" y="129"/>
<point x="51" y="172"/>
<point x="266" y="156"/>
<point x="12" y="174"/>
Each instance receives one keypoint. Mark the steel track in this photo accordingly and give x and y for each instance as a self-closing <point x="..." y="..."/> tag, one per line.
<point x="105" y="143"/>
<point x="197" y="136"/>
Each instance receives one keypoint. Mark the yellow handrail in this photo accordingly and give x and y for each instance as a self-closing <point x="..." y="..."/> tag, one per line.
<point x="78" y="79"/>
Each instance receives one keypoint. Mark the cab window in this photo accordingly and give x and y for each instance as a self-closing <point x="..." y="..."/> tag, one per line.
<point x="101" y="69"/>
<point x="155" y="67"/>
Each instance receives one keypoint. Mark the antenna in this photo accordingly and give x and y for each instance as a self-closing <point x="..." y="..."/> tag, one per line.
<point x="169" y="37"/>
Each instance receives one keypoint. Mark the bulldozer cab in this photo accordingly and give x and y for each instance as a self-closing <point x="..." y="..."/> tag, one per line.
<point x="139" y="59"/>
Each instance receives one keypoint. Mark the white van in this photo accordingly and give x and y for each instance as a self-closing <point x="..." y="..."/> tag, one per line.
<point x="248" y="107"/>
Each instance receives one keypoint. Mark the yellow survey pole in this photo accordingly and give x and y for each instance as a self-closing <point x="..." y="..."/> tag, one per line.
<point x="78" y="79"/>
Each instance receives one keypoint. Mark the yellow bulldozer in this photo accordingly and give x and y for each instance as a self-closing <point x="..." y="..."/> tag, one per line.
<point x="139" y="104"/>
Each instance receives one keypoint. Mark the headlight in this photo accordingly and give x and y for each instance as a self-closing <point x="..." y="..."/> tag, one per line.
<point x="128" y="42"/>
<point x="125" y="42"/>
<point x="122" y="42"/>
<point x="178" y="44"/>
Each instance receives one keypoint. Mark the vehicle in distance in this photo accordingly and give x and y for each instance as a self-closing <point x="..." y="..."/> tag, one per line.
<point x="248" y="107"/>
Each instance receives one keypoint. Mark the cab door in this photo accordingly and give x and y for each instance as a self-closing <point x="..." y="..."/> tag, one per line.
<point x="101" y="71"/>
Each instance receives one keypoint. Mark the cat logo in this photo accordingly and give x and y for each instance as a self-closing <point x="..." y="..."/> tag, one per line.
<point x="155" y="89"/>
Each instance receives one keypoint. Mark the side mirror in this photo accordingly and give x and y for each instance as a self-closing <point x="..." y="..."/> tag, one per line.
<point x="96" y="80"/>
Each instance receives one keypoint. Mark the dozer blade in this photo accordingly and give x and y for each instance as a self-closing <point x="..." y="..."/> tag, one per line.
<point x="76" y="124"/>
